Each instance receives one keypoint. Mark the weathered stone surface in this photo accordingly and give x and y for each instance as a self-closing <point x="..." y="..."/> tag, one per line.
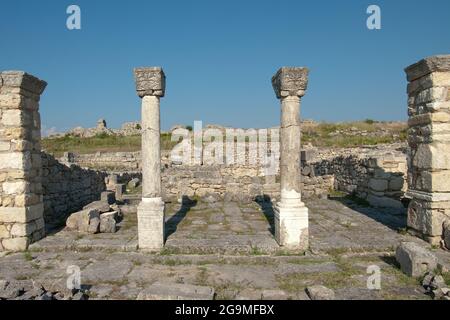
<point x="175" y="291"/>
<point x="101" y="206"/>
<point x="23" y="80"/>
<point x="446" y="227"/>
<point x="21" y="207"/>
<point x="429" y="141"/>
<point x="87" y="220"/>
<point x="108" y="222"/>
<point x="274" y="295"/>
<point x="16" y="244"/>
<point x="134" y="183"/>
<point x="428" y="65"/>
<point x="415" y="260"/>
<point x="150" y="81"/>
<point x="378" y="184"/>
<point x="320" y="292"/>
<point x="290" y="81"/>
<point x="108" y="197"/>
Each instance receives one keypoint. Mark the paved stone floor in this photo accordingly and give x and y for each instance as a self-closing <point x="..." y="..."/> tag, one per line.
<point x="230" y="247"/>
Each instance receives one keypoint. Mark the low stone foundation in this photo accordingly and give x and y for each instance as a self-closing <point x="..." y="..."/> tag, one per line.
<point x="67" y="188"/>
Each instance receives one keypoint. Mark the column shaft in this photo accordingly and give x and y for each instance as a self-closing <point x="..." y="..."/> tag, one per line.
<point x="290" y="149"/>
<point x="151" y="149"/>
<point x="291" y="215"/>
<point x="150" y="86"/>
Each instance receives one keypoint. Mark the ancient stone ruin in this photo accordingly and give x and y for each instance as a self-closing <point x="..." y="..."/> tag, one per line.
<point x="21" y="206"/>
<point x="428" y="139"/>
<point x="291" y="215"/>
<point x="304" y="224"/>
<point x="150" y="86"/>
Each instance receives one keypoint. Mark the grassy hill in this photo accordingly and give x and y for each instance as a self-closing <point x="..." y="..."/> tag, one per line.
<point x="348" y="134"/>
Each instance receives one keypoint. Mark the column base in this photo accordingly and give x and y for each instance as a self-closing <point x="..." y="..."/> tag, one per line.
<point x="150" y="214"/>
<point x="291" y="225"/>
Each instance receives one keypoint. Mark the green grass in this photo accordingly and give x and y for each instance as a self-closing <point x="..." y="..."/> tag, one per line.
<point x="101" y="142"/>
<point x="320" y="135"/>
<point x="27" y="256"/>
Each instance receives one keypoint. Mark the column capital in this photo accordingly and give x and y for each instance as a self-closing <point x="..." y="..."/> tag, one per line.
<point x="440" y="63"/>
<point x="150" y="81"/>
<point x="22" y="80"/>
<point x="290" y="81"/>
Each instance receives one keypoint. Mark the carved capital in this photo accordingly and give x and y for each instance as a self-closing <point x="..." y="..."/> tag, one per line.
<point x="290" y="81"/>
<point x="150" y="81"/>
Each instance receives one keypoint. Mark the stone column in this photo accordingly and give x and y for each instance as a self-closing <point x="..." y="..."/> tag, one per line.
<point x="150" y="86"/>
<point x="291" y="215"/>
<point x="429" y="146"/>
<point x="21" y="205"/>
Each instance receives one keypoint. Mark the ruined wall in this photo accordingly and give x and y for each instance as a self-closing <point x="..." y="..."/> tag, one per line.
<point x="67" y="188"/>
<point x="238" y="183"/>
<point x="378" y="176"/>
<point x="429" y="141"/>
<point x="21" y="207"/>
<point x="106" y="161"/>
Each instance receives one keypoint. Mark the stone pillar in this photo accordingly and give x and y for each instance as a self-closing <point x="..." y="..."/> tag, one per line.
<point x="21" y="204"/>
<point x="150" y="86"/>
<point x="429" y="146"/>
<point x="291" y="215"/>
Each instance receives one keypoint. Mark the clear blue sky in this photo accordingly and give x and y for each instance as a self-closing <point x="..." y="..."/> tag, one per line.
<point x="219" y="56"/>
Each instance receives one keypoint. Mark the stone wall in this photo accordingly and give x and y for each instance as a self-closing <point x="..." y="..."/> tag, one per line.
<point x="429" y="141"/>
<point x="67" y="188"/>
<point x="21" y="207"/>
<point x="376" y="174"/>
<point x="106" y="161"/>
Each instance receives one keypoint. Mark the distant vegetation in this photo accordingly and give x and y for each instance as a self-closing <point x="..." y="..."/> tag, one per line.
<point x="348" y="134"/>
<point x="101" y="142"/>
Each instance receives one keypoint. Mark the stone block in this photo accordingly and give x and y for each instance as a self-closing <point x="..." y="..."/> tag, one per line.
<point x="134" y="183"/>
<point x="119" y="189"/>
<point x="108" y="222"/>
<point x="379" y="185"/>
<point x="415" y="260"/>
<point x="291" y="226"/>
<point x="396" y="183"/>
<point x="427" y="217"/>
<point x="20" y="79"/>
<point x="439" y="63"/>
<point x="320" y="292"/>
<point x="432" y="156"/>
<point x="150" y="213"/>
<point x="108" y="196"/>
<point x="435" y="181"/>
<point x="290" y="81"/>
<point x="12" y="160"/>
<point x="23" y="229"/>
<point x="176" y="291"/>
<point x="16" y="244"/>
<point x="101" y="206"/>
<point x="446" y="227"/>
<point x="4" y="233"/>
<point x="87" y="220"/>
<point x="150" y="81"/>
<point x="21" y="214"/>
<point x="274" y="295"/>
